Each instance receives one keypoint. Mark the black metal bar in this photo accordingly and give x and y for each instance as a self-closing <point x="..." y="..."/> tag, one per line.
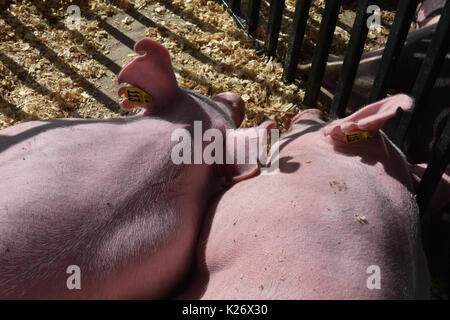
<point x="236" y="6"/>
<point x="433" y="174"/>
<point x="319" y="62"/>
<point x="397" y="36"/>
<point x="252" y="15"/>
<point x="241" y="24"/>
<point x="436" y="52"/>
<point x="4" y="4"/>
<point x="296" y="35"/>
<point x="352" y="57"/>
<point x="275" y="18"/>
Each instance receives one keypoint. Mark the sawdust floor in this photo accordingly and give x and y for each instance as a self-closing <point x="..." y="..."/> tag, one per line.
<point x="48" y="71"/>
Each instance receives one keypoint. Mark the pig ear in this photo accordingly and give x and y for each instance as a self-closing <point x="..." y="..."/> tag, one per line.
<point x="235" y="104"/>
<point x="241" y="164"/>
<point x="152" y="73"/>
<point x="441" y="195"/>
<point x="370" y="118"/>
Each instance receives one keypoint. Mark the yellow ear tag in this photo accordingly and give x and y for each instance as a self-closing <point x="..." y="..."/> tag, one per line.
<point x="137" y="96"/>
<point x="356" y="136"/>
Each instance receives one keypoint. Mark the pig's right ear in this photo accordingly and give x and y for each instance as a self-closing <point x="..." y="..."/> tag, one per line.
<point x="371" y="118"/>
<point x="244" y="147"/>
<point x="441" y="197"/>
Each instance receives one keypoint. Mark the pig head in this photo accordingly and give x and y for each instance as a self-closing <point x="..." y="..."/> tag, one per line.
<point x="339" y="220"/>
<point x="97" y="208"/>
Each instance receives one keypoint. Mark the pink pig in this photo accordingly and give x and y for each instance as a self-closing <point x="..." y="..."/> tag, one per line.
<point x="419" y="142"/>
<point x="339" y="221"/>
<point x="105" y="197"/>
<point x="428" y="12"/>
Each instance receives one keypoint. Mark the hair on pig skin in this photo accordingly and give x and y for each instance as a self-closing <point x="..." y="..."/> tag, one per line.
<point x="315" y="232"/>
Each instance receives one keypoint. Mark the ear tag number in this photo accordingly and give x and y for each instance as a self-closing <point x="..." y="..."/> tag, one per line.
<point x="356" y="136"/>
<point x="137" y="96"/>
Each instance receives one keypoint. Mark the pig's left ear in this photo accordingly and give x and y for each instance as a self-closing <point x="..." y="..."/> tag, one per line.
<point x="243" y="149"/>
<point x="152" y="74"/>
<point x="370" y="118"/>
<point x="441" y="195"/>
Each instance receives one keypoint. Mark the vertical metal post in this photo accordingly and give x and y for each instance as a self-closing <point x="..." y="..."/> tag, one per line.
<point x="296" y="35"/>
<point x="275" y="18"/>
<point x="252" y="15"/>
<point x="397" y="36"/>
<point x="351" y="61"/>
<point x="440" y="161"/>
<point x="319" y="62"/>
<point x="436" y="52"/>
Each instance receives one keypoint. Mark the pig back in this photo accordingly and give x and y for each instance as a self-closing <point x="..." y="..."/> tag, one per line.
<point x="102" y="195"/>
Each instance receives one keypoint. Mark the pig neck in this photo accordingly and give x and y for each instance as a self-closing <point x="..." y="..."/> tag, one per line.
<point x="376" y="153"/>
